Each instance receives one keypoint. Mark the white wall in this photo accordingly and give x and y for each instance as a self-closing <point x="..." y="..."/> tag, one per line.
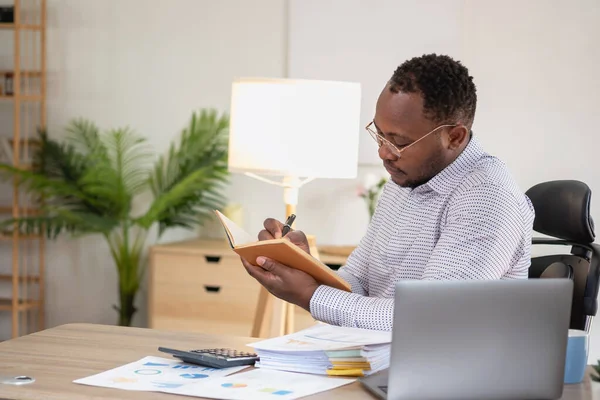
<point x="364" y="41"/>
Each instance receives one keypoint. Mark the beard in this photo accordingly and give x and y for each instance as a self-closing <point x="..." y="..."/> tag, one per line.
<point x="430" y="167"/>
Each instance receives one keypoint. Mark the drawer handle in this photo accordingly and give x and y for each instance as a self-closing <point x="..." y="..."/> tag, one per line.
<point x="212" y="259"/>
<point x="212" y="289"/>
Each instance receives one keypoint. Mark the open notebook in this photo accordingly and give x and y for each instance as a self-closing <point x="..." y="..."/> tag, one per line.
<point x="280" y="250"/>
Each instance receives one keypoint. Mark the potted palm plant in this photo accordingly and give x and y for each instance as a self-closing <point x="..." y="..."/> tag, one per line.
<point x="90" y="182"/>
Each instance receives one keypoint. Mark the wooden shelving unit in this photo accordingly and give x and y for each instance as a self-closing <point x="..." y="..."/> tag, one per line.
<point x="23" y="97"/>
<point x="22" y="27"/>
<point x="25" y="277"/>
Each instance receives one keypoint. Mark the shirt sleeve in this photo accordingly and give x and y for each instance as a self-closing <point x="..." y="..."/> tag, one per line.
<point x="356" y="269"/>
<point x="356" y="309"/>
<point x="337" y="307"/>
<point x="487" y="230"/>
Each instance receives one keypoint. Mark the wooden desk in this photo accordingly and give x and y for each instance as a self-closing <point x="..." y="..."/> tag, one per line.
<point x="55" y="357"/>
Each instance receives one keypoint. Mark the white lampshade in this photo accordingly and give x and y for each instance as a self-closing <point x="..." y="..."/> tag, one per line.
<point x="299" y="128"/>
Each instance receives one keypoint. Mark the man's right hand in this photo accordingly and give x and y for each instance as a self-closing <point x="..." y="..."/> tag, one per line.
<point x="273" y="230"/>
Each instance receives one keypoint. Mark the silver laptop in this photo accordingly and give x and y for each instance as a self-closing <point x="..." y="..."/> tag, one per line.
<point x="502" y="339"/>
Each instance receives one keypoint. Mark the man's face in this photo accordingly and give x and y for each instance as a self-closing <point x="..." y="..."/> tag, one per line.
<point x="399" y="118"/>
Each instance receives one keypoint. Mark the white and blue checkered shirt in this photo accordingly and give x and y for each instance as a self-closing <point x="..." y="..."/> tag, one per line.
<point x="471" y="221"/>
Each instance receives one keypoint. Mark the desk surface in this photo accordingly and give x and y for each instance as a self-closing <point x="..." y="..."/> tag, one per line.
<point x="57" y="356"/>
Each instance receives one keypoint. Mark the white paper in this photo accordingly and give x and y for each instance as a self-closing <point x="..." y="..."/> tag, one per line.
<point x="311" y="350"/>
<point x="324" y="337"/>
<point x="238" y="235"/>
<point x="262" y="384"/>
<point x="155" y="374"/>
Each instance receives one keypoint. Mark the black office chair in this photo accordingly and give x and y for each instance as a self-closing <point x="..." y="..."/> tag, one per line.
<point x="562" y="211"/>
<point x="558" y="269"/>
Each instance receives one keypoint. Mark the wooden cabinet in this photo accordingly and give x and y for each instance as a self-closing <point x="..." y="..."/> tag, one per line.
<point x="201" y="286"/>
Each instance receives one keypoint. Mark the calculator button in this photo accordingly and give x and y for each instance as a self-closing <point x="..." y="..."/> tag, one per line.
<point x="224" y="353"/>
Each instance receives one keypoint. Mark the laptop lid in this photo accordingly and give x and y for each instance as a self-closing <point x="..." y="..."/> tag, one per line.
<point x="502" y="339"/>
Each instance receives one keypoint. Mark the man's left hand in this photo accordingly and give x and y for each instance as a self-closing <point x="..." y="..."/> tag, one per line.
<point x="287" y="283"/>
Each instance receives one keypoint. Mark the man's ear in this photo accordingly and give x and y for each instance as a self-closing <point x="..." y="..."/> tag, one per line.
<point x="457" y="136"/>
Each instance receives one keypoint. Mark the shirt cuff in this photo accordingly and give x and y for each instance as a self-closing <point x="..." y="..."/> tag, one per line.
<point x="325" y="303"/>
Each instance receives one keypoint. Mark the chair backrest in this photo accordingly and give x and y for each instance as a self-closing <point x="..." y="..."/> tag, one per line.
<point x="558" y="269"/>
<point x="562" y="211"/>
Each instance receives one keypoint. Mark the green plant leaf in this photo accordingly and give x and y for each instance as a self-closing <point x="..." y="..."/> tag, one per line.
<point x="55" y="192"/>
<point x="85" y="136"/>
<point x="119" y="160"/>
<point x="52" y="225"/>
<point x="187" y="181"/>
<point x="58" y="170"/>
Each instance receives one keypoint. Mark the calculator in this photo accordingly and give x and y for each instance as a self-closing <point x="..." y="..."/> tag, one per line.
<point x="214" y="358"/>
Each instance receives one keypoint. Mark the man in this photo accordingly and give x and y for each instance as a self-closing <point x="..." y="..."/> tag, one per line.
<point x="450" y="210"/>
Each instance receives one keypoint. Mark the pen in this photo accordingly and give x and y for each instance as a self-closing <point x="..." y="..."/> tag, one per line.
<point x="288" y="225"/>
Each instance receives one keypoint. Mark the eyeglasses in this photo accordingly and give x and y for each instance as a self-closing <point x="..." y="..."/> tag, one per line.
<point x="395" y="150"/>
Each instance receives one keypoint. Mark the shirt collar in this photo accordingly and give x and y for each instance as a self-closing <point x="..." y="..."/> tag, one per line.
<point x="447" y="179"/>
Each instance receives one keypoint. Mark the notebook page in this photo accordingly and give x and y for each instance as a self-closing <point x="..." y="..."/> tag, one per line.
<point x="237" y="235"/>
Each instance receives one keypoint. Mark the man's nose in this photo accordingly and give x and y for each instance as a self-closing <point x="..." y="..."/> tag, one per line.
<point x="386" y="154"/>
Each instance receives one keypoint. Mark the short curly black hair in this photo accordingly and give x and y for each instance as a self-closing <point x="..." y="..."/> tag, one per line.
<point x="449" y="94"/>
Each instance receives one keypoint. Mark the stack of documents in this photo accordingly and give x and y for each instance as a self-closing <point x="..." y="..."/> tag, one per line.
<point x="327" y="350"/>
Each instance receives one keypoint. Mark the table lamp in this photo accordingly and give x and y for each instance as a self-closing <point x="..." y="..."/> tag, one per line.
<point x="297" y="130"/>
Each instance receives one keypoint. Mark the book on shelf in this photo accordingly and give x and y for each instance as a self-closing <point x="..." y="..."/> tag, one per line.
<point x="280" y="250"/>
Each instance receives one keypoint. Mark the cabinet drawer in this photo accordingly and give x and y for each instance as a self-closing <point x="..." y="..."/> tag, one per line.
<point x="206" y="293"/>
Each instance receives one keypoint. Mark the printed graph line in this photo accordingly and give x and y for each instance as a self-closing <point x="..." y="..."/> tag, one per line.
<point x="330" y="340"/>
<point x="167" y="385"/>
<point x="180" y="366"/>
<point x="194" y="376"/>
<point x="153" y="364"/>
